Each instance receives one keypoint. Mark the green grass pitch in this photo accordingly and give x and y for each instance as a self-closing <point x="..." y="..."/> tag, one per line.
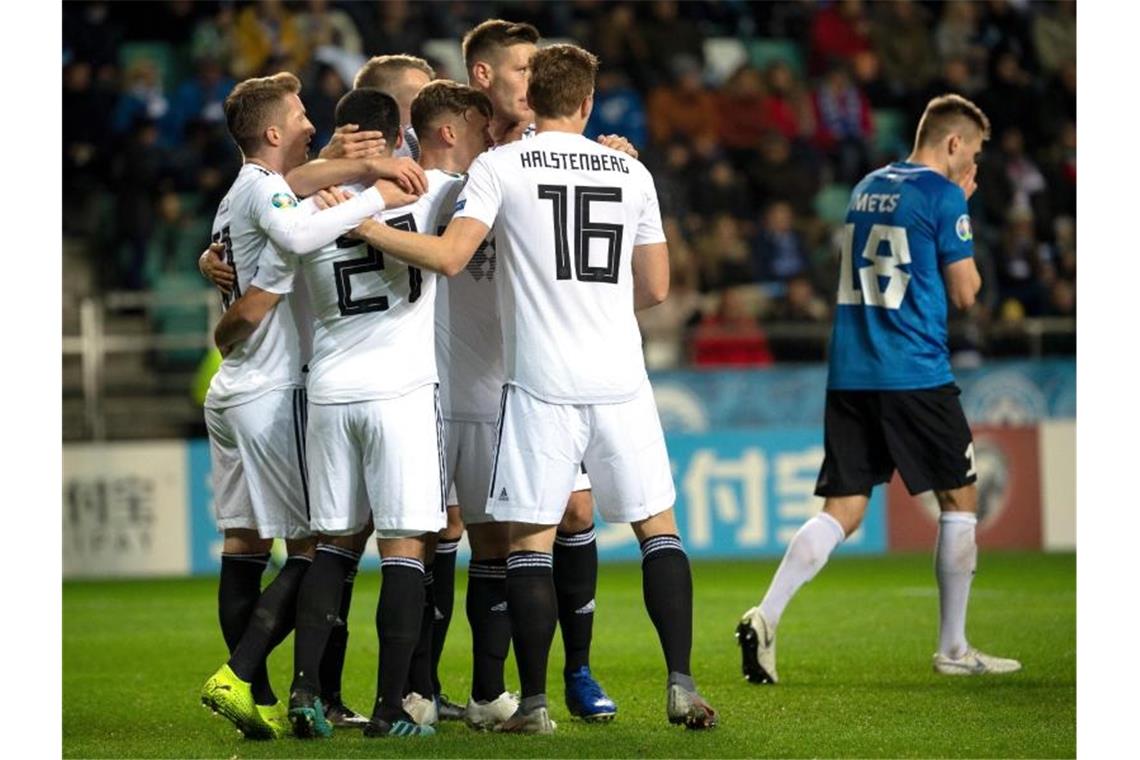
<point x="854" y="658"/>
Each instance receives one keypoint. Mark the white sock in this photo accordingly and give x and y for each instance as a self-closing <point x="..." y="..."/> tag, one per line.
<point x="806" y="555"/>
<point x="955" y="559"/>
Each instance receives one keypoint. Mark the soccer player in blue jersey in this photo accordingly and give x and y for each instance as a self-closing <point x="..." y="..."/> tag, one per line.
<point x="891" y="398"/>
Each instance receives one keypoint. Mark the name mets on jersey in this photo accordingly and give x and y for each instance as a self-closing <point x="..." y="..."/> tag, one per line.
<point x="904" y="224"/>
<point x="541" y="159"/>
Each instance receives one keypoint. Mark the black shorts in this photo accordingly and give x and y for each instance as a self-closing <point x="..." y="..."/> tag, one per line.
<point x="867" y="434"/>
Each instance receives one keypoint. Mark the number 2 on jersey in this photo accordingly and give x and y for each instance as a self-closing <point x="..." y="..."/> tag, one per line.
<point x="859" y="284"/>
<point x="584" y="231"/>
<point x="373" y="261"/>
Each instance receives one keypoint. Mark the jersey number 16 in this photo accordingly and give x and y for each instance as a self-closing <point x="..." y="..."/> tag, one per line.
<point x="584" y="231"/>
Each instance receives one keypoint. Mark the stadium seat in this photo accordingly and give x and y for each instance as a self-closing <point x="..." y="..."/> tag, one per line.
<point x="890" y="142"/>
<point x="723" y="56"/>
<point x="174" y="316"/>
<point x="830" y="203"/>
<point x="766" y="51"/>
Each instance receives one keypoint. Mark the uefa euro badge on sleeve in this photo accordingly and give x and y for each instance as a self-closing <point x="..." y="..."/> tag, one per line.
<point x="962" y="227"/>
<point x="285" y="200"/>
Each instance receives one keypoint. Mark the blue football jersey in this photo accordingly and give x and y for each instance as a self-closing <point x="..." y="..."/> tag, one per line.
<point x="904" y="223"/>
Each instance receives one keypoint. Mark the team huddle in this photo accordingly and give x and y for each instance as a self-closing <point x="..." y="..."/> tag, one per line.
<point x="432" y="329"/>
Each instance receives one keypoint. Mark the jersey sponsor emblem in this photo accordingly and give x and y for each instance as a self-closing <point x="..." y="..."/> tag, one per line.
<point x="962" y="227"/>
<point x="283" y="200"/>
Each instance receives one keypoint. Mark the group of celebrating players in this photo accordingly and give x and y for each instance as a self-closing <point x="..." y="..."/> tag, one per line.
<point x="415" y="343"/>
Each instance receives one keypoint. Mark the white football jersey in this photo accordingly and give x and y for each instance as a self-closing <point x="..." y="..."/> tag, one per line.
<point x="566" y="213"/>
<point x="469" y="339"/>
<point x="271" y="357"/>
<point x="374" y="329"/>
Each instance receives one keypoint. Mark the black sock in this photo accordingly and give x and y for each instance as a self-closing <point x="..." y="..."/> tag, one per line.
<point x="667" y="586"/>
<point x="317" y="605"/>
<point x="576" y="582"/>
<point x="533" y="608"/>
<point x="419" y="674"/>
<point x="490" y="626"/>
<point x="398" y="618"/>
<point x="444" y="574"/>
<point x="332" y="664"/>
<point x="272" y="619"/>
<point x="238" y="590"/>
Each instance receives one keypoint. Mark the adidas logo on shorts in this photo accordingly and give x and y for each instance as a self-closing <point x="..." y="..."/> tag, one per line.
<point x="503" y="495"/>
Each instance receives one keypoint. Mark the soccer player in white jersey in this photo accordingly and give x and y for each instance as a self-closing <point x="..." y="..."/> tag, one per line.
<point x="255" y="404"/>
<point x="577" y="390"/>
<point x="375" y="436"/>
<point x="402" y="77"/>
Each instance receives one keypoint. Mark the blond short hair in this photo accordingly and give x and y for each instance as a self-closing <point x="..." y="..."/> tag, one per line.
<point x="382" y="71"/>
<point x="253" y="103"/>
<point x="943" y="113"/>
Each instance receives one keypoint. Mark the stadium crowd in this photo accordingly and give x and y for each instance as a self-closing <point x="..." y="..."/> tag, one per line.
<point x="755" y="119"/>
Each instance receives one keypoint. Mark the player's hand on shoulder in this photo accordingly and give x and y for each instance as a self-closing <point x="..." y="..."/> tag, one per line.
<point x="403" y="171"/>
<point x="349" y="142"/>
<point x="394" y="194"/>
<point x="331" y="196"/>
<point x="619" y="143"/>
<point x="969" y="181"/>
<point x="214" y="268"/>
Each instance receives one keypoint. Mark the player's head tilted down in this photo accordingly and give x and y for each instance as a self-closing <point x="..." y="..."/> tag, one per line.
<point x="953" y="128"/>
<point x="454" y="116"/>
<point x="372" y="110"/>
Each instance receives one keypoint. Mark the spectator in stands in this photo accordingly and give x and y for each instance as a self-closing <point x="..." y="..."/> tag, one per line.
<point x="136" y="174"/>
<point x="684" y="108"/>
<point x="957" y="35"/>
<point x="618" y="109"/>
<point x="214" y="37"/>
<point x="267" y="32"/>
<point x="320" y="103"/>
<point x="142" y="96"/>
<point x="1004" y="28"/>
<point x="838" y="32"/>
<point x="787" y="107"/>
<point x="1061" y="170"/>
<point x="777" y="174"/>
<point x="667" y="37"/>
<point x="799" y="304"/>
<point x="1058" y="103"/>
<point x="724" y="257"/>
<point x="843" y="124"/>
<point x="901" y="34"/>
<point x="722" y="190"/>
<point x="867" y="69"/>
<point x="672" y="168"/>
<point x="86" y="133"/>
<point x="618" y="40"/>
<point x="1020" y="265"/>
<point x="731" y="336"/>
<point x="323" y="25"/>
<point x="1055" y="34"/>
<point x="1010" y="97"/>
<point x="742" y="114"/>
<point x="778" y="253"/>
<point x="199" y="98"/>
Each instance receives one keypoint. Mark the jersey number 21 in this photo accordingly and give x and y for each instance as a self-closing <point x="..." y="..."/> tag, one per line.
<point x="859" y="284"/>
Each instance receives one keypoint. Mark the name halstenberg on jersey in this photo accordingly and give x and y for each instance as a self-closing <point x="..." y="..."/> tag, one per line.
<point x="541" y="159"/>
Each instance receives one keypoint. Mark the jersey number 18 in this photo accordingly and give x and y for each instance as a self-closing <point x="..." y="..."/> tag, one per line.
<point x="859" y="284"/>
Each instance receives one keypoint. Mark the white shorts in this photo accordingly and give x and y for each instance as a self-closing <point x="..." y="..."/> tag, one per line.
<point x="257" y="460"/>
<point x="384" y="458"/>
<point x="470" y="456"/>
<point x="542" y="448"/>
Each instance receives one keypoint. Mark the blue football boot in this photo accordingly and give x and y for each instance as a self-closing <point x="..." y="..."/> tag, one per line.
<point x="585" y="698"/>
